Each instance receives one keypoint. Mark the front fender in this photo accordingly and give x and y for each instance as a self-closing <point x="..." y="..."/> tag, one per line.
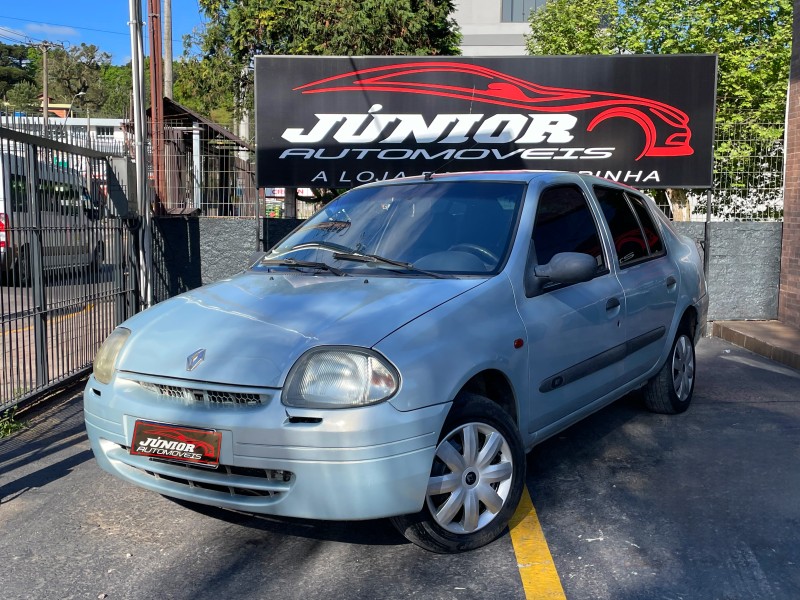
<point x="440" y="351"/>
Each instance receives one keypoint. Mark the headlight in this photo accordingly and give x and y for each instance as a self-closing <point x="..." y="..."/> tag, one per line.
<point x="107" y="355"/>
<point x="339" y="378"/>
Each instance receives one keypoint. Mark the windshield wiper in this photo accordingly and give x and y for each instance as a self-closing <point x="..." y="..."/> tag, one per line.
<point x="321" y="245"/>
<point x="374" y="258"/>
<point x="301" y="264"/>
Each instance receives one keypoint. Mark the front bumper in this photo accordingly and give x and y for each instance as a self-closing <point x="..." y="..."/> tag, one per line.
<point x="346" y="464"/>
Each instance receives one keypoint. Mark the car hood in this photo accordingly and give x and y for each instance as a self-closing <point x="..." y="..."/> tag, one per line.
<point x="254" y="326"/>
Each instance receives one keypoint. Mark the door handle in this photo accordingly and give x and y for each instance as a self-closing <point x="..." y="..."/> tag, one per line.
<point x="612" y="303"/>
<point x="671" y="281"/>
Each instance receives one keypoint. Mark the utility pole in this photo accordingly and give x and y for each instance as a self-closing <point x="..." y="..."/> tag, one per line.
<point x="157" y="100"/>
<point x="140" y="132"/>
<point x="45" y="92"/>
<point x="168" y="49"/>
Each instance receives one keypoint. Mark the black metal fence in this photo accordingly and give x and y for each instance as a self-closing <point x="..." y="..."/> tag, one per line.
<point x="67" y="262"/>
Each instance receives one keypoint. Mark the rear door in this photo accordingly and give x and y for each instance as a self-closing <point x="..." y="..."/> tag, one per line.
<point x="649" y="278"/>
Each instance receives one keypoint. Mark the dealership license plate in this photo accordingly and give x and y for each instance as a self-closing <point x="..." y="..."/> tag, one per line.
<point x="173" y="442"/>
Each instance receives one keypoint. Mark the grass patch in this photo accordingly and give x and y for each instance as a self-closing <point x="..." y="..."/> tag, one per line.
<point x="9" y="424"/>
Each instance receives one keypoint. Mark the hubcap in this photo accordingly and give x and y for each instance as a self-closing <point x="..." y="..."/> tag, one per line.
<point x="683" y="368"/>
<point x="471" y="478"/>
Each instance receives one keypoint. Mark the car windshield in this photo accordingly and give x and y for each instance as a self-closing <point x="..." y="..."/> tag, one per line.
<point x="426" y="228"/>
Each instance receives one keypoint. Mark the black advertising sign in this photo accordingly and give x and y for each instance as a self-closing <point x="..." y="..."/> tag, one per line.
<point x="337" y="122"/>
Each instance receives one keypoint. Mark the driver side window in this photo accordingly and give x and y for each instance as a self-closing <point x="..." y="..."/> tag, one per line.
<point x="564" y="223"/>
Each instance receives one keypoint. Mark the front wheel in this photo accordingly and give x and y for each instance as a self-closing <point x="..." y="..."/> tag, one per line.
<point x="670" y="391"/>
<point x="476" y="480"/>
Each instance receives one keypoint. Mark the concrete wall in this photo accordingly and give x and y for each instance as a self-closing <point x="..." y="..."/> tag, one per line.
<point x="743" y="262"/>
<point x="744" y="265"/>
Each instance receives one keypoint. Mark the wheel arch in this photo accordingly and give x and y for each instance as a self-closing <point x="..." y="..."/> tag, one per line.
<point x="495" y="386"/>
<point x="689" y="323"/>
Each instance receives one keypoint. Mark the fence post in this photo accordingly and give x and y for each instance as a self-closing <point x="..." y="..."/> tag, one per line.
<point x="35" y="268"/>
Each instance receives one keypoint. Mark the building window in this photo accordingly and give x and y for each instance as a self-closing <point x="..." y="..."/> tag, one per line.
<point x="518" y="11"/>
<point x="105" y="131"/>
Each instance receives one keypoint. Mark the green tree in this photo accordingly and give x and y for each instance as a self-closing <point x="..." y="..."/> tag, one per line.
<point x="214" y="71"/>
<point x="14" y="66"/>
<point x="574" y="27"/>
<point x="117" y="82"/>
<point x="23" y="96"/>
<point x="78" y="69"/>
<point x="751" y="38"/>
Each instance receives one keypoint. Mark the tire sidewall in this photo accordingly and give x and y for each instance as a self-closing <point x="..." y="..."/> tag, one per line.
<point x="678" y="404"/>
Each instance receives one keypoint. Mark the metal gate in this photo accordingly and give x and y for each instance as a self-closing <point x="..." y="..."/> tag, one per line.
<point x="67" y="262"/>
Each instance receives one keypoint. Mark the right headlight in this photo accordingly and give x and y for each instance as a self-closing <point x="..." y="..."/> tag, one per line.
<point x="106" y="357"/>
<point x="340" y="378"/>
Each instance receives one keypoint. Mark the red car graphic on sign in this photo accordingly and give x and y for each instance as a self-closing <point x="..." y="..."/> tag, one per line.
<point x="666" y="128"/>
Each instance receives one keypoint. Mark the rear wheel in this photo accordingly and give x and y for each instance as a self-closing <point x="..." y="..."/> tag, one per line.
<point x="98" y="255"/>
<point x="670" y="391"/>
<point x="476" y="480"/>
<point x="23" y="268"/>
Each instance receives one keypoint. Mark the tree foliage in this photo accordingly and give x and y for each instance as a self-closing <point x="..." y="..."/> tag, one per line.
<point x="78" y="70"/>
<point x="14" y="66"/>
<point x="752" y="39"/>
<point x="214" y="71"/>
<point x="24" y="96"/>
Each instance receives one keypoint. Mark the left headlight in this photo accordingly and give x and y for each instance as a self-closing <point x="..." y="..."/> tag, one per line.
<point x="339" y="378"/>
<point x="106" y="357"/>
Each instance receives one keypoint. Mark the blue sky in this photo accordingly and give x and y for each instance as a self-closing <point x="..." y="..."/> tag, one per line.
<point x="103" y="23"/>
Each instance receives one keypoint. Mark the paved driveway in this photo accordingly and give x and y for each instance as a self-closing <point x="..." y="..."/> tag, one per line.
<point x="633" y="505"/>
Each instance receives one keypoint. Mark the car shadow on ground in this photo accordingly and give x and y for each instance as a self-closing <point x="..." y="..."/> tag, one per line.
<point x="375" y="532"/>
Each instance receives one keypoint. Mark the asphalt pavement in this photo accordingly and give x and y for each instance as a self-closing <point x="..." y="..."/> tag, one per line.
<point x="704" y="505"/>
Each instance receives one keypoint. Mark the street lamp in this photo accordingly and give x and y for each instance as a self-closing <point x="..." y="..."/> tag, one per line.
<point x="69" y="110"/>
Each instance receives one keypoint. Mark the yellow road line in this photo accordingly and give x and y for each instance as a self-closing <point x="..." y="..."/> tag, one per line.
<point x="56" y="319"/>
<point x="536" y="567"/>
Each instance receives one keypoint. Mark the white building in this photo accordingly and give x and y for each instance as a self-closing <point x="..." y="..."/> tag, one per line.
<point x="104" y="134"/>
<point x="494" y="27"/>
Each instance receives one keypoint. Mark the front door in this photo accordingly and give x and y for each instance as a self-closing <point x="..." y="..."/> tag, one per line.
<point x="575" y="332"/>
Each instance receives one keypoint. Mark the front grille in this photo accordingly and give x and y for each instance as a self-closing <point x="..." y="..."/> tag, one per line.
<point x="265" y="475"/>
<point x="216" y="397"/>
<point x="249" y="486"/>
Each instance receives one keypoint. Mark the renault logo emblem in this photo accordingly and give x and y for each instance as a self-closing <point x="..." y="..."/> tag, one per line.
<point x="195" y="358"/>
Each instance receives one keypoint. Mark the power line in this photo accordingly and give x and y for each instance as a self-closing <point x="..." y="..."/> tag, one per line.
<point x="63" y="25"/>
<point x="18" y="36"/>
<point x="126" y="34"/>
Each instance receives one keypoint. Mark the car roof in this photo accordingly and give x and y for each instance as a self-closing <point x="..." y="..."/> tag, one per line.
<point x="523" y="176"/>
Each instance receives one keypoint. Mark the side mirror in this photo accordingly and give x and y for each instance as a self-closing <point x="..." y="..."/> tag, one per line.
<point x="563" y="268"/>
<point x="568" y="267"/>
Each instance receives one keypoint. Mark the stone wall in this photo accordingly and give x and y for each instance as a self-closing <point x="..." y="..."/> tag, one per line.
<point x="743" y="263"/>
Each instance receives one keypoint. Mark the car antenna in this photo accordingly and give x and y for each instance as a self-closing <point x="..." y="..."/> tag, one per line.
<point x="429" y="174"/>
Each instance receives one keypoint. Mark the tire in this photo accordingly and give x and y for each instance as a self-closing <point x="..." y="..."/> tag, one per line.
<point x="24" y="278"/>
<point x="98" y="255"/>
<point x="670" y="391"/>
<point x="483" y="491"/>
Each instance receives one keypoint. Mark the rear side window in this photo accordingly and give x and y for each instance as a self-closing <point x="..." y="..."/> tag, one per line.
<point x="564" y="223"/>
<point x="650" y="231"/>
<point x="635" y="235"/>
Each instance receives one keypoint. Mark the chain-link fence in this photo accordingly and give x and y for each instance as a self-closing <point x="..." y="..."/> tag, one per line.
<point x="748" y="174"/>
